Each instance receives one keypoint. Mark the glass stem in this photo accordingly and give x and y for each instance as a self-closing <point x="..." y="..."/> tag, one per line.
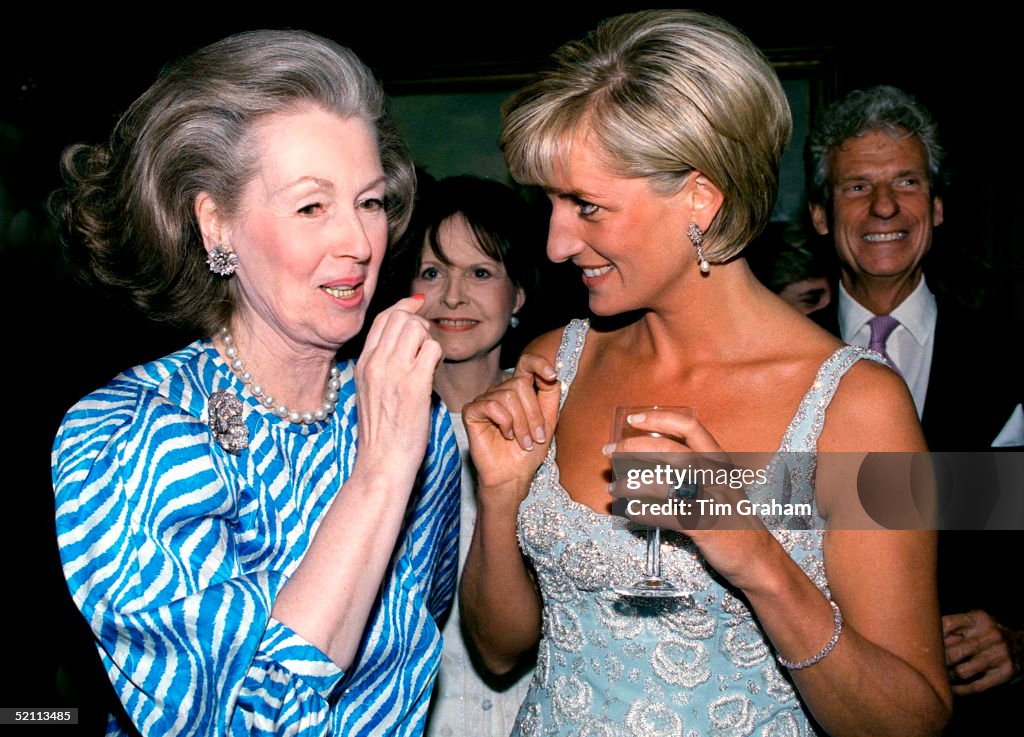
<point x="654" y="552"/>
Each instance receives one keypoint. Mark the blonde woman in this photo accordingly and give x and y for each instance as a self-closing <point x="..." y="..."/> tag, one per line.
<point x="658" y="139"/>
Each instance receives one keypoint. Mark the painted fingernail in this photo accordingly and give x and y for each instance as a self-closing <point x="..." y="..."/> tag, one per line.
<point x="528" y="442"/>
<point x="608" y="449"/>
<point x="538" y="434"/>
<point x="633" y="419"/>
<point x="419" y="296"/>
<point x="550" y="373"/>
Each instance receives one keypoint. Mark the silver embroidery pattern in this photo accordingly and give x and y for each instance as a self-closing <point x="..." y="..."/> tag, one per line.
<point x="735" y="606"/>
<point x="776" y="684"/>
<point x="570" y="698"/>
<point x="541" y="527"/>
<point x="612" y="667"/>
<point x="564" y="629"/>
<point x="783" y="724"/>
<point x="609" y="667"/>
<point x="732" y="715"/>
<point x="651" y="719"/>
<point x="585" y="564"/>
<point x="557" y="586"/>
<point x="598" y="727"/>
<point x="542" y="673"/>
<point x="681" y="662"/>
<point x="694" y="623"/>
<point x="530" y="721"/>
<point x="619" y="616"/>
<point x="745" y="645"/>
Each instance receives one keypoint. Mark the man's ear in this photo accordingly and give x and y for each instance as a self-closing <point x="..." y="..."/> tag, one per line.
<point x="937" y="210"/>
<point x="212" y="223"/>
<point x="819" y="217"/>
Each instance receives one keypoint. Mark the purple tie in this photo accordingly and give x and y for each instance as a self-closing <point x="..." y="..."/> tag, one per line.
<point x="881" y="328"/>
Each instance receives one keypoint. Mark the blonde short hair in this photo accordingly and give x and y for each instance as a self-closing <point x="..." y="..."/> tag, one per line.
<point x="664" y="93"/>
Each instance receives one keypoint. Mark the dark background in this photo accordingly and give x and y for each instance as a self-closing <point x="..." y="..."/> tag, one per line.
<point x="65" y="79"/>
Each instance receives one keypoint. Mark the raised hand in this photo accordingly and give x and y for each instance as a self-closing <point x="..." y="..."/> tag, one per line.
<point x="511" y="425"/>
<point x="394" y="379"/>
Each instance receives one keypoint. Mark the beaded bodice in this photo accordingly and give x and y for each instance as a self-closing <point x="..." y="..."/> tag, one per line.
<point x="613" y="666"/>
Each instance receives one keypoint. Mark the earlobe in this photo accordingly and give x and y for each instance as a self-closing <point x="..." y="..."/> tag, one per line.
<point x="819" y="218"/>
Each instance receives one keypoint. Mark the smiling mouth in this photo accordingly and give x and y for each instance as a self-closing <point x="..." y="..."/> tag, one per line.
<point x="445" y="323"/>
<point x="343" y="292"/>
<point x="897" y="235"/>
<point x="591" y="272"/>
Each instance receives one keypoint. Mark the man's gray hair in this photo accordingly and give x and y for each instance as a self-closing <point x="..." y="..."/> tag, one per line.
<point x="880" y="108"/>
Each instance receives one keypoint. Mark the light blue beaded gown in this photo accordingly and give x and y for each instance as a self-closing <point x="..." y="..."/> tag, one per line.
<point x="607" y="668"/>
<point x="174" y="551"/>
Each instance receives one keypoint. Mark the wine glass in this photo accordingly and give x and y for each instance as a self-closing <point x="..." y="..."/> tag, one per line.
<point x="651" y="585"/>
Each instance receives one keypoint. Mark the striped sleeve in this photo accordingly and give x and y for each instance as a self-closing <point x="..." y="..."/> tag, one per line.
<point x="388" y="690"/>
<point x="441" y="482"/>
<point x="145" y="526"/>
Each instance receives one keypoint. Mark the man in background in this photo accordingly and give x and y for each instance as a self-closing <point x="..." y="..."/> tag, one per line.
<point x="876" y="184"/>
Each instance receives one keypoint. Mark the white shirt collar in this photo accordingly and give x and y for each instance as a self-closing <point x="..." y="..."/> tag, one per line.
<point x="916" y="313"/>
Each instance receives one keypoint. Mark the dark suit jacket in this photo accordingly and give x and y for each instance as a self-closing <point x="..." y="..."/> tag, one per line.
<point x="973" y="387"/>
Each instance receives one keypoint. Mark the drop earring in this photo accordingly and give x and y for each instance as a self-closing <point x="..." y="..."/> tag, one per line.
<point x="697" y="238"/>
<point x="513" y="321"/>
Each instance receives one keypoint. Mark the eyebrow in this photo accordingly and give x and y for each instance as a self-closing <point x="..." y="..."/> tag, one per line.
<point x="323" y="183"/>
<point x="328" y="185"/>
<point x="489" y="263"/>
<point x="572" y="194"/>
<point x="897" y="175"/>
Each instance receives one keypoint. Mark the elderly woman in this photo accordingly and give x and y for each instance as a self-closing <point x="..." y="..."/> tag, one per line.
<point x="658" y="140"/>
<point x="243" y="568"/>
<point x="469" y="255"/>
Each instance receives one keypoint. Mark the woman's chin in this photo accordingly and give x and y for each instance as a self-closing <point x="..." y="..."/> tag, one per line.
<point x="607" y="308"/>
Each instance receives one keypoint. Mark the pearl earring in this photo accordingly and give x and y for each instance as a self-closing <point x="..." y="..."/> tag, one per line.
<point x="697" y="238"/>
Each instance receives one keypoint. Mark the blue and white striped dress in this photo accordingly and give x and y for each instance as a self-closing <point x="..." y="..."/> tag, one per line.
<point x="174" y="551"/>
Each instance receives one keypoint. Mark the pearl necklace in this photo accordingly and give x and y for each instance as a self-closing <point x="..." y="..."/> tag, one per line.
<point x="299" y="418"/>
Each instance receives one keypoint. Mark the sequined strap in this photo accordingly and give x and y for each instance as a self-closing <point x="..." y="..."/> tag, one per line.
<point x="810" y="419"/>
<point x="574" y="337"/>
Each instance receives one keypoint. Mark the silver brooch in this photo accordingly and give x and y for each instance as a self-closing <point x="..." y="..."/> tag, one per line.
<point x="226" y="422"/>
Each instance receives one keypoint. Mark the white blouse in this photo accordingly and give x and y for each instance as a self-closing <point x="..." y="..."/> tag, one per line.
<point x="463" y="704"/>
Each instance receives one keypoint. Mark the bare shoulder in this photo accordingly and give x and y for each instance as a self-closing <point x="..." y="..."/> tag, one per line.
<point x="872" y="410"/>
<point x="546" y="345"/>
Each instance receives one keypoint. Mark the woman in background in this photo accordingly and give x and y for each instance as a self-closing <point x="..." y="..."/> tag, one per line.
<point x="469" y="253"/>
<point x="243" y="569"/>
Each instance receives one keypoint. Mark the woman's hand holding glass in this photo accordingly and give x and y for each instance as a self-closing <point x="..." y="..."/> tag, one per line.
<point x="510" y="426"/>
<point x="733" y="545"/>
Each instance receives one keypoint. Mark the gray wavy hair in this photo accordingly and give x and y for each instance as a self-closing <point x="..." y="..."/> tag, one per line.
<point x="881" y="108"/>
<point x="127" y="209"/>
